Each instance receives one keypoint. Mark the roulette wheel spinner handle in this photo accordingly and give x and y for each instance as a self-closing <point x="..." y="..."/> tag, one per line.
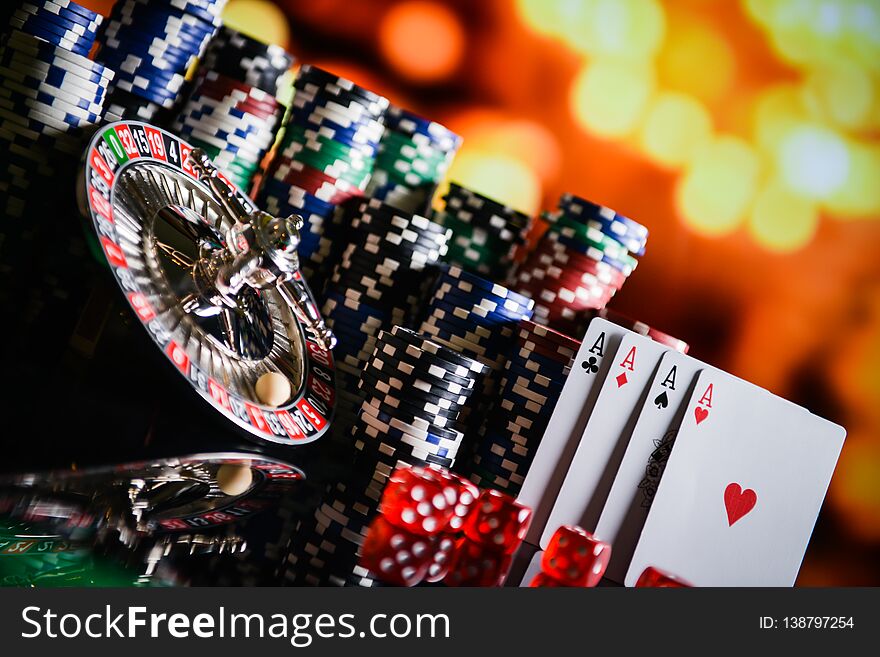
<point x="261" y="253"/>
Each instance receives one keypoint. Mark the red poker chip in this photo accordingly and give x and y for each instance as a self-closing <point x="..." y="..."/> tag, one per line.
<point x="563" y="255"/>
<point x="625" y="321"/>
<point x="548" y="335"/>
<point x="542" y="350"/>
<point x="233" y="89"/>
<point x="544" y="263"/>
<point x="668" y="340"/>
<point x="533" y="337"/>
<point x="569" y="280"/>
<point x="249" y="105"/>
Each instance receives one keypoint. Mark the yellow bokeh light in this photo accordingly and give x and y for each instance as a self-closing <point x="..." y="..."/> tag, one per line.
<point x="608" y="97"/>
<point x="842" y="94"/>
<point x="777" y="111"/>
<point x="782" y="221"/>
<point x="675" y="124"/>
<point x="696" y="59"/>
<point x="859" y="195"/>
<point x="548" y="16"/>
<point x="813" y="161"/>
<point x="491" y="131"/>
<point x="506" y="179"/>
<point x="261" y="19"/>
<point x="621" y="28"/>
<point x="718" y="186"/>
<point x="422" y="40"/>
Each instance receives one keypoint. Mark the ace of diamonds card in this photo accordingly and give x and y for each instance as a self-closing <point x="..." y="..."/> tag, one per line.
<point x="742" y="489"/>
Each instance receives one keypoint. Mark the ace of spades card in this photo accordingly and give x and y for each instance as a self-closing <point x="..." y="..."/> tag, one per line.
<point x="742" y="488"/>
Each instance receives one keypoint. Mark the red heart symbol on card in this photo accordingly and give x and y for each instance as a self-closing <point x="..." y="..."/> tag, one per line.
<point x="738" y="501"/>
<point x="700" y="414"/>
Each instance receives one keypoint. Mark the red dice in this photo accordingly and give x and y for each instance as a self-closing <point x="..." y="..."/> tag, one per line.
<point x="444" y="548"/>
<point x="420" y="500"/>
<point x="498" y="522"/>
<point x="394" y="555"/>
<point x="656" y="578"/>
<point x="575" y="557"/>
<point x="543" y="580"/>
<point x="467" y="495"/>
<point x="474" y="565"/>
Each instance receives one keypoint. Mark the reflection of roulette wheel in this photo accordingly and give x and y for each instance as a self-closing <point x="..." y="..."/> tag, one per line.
<point x="137" y="515"/>
<point x="222" y="308"/>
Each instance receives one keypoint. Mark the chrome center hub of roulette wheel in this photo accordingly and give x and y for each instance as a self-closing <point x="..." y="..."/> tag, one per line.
<point x="213" y="279"/>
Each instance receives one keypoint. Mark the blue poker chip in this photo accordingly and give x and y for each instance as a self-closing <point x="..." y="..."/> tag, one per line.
<point x="481" y="335"/>
<point x="69" y="12"/>
<point x="307" y="202"/>
<point x="353" y="131"/>
<point x="53" y="81"/>
<point x="159" y="13"/>
<point x="483" y="332"/>
<point x="582" y="208"/>
<point x="78" y="25"/>
<point x="74" y="8"/>
<point x="70" y="115"/>
<point x="468" y="280"/>
<point x="206" y="10"/>
<point x="31" y="46"/>
<point x="132" y="65"/>
<point x="483" y="306"/>
<point x="53" y="24"/>
<point x="76" y="46"/>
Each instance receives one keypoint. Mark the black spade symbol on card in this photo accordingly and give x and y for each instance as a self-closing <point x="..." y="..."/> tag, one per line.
<point x="661" y="401"/>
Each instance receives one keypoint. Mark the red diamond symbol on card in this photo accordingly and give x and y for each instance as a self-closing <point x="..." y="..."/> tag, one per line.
<point x="621" y="379"/>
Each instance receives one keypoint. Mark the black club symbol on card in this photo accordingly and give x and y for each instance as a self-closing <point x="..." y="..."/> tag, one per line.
<point x="591" y="365"/>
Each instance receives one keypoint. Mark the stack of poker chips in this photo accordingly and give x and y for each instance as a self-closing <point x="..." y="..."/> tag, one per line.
<point x="641" y="328"/>
<point x="415" y="390"/>
<point x="51" y="94"/>
<point x="414" y="156"/>
<point x="475" y="317"/>
<point x="151" y="44"/>
<point x="379" y="282"/>
<point x="247" y="60"/>
<point x="533" y="379"/>
<point x="485" y="234"/>
<point x="580" y="263"/>
<point x="235" y="123"/>
<point x="325" y="157"/>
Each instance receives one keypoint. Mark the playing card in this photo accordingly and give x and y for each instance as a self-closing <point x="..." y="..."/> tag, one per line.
<point x="605" y="435"/>
<point x="644" y="459"/>
<point x="741" y="490"/>
<point x="533" y="569"/>
<point x="570" y="414"/>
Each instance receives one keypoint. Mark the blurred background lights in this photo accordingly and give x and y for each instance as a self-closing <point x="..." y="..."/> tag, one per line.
<point x="675" y="124"/>
<point x="814" y="161"/>
<point x="498" y="176"/>
<point x="859" y="195"/>
<point x="843" y="95"/>
<point x="690" y="40"/>
<point x="261" y="19"/>
<point x="782" y="221"/>
<point x="718" y="186"/>
<point x="423" y="41"/>
<point x="608" y="96"/>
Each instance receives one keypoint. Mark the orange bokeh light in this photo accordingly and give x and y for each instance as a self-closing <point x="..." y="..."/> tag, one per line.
<point x="423" y="41"/>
